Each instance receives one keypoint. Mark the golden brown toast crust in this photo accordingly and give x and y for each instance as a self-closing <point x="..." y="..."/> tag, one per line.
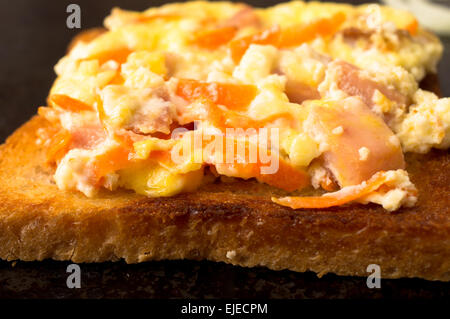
<point x="231" y="222"/>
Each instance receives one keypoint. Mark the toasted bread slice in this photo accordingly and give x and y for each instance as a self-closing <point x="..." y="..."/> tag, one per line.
<point x="231" y="222"/>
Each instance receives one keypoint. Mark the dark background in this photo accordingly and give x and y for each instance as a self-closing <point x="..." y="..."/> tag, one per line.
<point x="33" y="36"/>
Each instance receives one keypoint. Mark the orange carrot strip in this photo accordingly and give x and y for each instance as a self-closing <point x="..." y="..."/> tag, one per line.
<point x="118" y="158"/>
<point x="298" y="34"/>
<point x="285" y="177"/>
<point x="117" y="79"/>
<point x="150" y="18"/>
<point x="101" y="112"/>
<point x="343" y="196"/>
<point x="233" y="96"/>
<point x="162" y="157"/>
<point x="291" y="36"/>
<point x="238" y="47"/>
<point x="223" y="119"/>
<point x="413" y="27"/>
<point x="112" y="160"/>
<point x="214" y="38"/>
<point x="59" y="146"/>
<point x="119" y="55"/>
<point x="68" y="103"/>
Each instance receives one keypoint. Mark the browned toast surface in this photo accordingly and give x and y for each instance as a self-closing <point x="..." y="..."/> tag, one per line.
<point x="231" y="222"/>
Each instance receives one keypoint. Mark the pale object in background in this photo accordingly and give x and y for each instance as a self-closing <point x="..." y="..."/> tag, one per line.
<point x="433" y="15"/>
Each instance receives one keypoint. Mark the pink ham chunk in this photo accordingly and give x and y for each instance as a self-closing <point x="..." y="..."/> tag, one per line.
<point x="298" y="92"/>
<point x="87" y="137"/>
<point x="154" y="115"/>
<point x="245" y="17"/>
<point x="351" y="81"/>
<point x="347" y="127"/>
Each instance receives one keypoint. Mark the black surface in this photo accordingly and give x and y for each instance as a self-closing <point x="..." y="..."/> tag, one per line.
<point x="192" y="279"/>
<point x="33" y="37"/>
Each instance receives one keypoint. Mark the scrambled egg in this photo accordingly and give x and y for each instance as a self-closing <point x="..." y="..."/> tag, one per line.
<point x="426" y="125"/>
<point x="129" y="75"/>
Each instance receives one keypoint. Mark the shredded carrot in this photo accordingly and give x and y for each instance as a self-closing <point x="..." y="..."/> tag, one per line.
<point x="214" y="38"/>
<point x="223" y="119"/>
<point x="412" y="27"/>
<point x="120" y="157"/>
<point x="59" y="146"/>
<point x="119" y="55"/>
<point x="117" y="79"/>
<point x="285" y="175"/>
<point x="343" y="196"/>
<point x="298" y="34"/>
<point x="288" y="37"/>
<point x="150" y="18"/>
<point x="238" y="46"/>
<point x="101" y="112"/>
<point x="68" y="103"/>
<point x="229" y="119"/>
<point x="162" y="157"/>
<point x="233" y="96"/>
<point x="112" y="160"/>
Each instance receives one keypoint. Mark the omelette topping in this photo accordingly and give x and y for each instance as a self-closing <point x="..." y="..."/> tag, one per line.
<point x="299" y="96"/>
